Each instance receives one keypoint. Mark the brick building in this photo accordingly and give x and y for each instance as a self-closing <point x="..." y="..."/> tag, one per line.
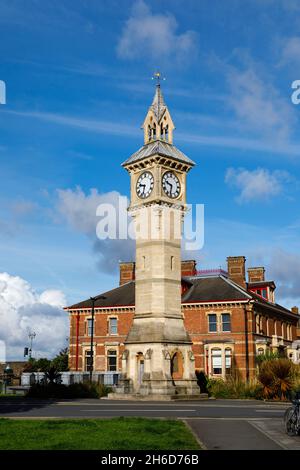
<point x="230" y="319"/>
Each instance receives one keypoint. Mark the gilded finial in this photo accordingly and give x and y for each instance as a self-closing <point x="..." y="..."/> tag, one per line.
<point x="158" y="77"/>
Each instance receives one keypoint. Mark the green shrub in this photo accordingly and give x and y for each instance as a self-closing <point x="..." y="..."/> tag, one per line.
<point x="78" y="390"/>
<point x="233" y="387"/>
<point x="267" y="356"/>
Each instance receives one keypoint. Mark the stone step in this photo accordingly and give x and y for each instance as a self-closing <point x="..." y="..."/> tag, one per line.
<point x="139" y="397"/>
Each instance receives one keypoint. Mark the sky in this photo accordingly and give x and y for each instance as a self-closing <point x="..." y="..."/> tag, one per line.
<point x="78" y="86"/>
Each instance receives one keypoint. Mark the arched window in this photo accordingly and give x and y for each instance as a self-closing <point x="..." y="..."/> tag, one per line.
<point x="87" y="361"/>
<point x="140" y="367"/>
<point x="172" y="262"/>
<point x="177" y="366"/>
<point x="228" y="360"/>
<point x="260" y="351"/>
<point x="167" y="132"/>
<point x="154" y="131"/>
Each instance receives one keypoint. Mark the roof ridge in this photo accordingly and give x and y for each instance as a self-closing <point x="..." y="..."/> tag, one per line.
<point x="236" y="286"/>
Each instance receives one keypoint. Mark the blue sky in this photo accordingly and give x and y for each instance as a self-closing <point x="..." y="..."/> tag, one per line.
<point x="78" y="78"/>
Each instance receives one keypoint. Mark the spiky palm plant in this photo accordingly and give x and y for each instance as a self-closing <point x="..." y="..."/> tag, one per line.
<point x="276" y="377"/>
<point x="282" y="371"/>
<point x="266" y="378"/>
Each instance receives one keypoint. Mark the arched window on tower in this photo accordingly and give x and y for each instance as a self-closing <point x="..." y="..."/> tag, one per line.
<point x="167" y="132"/>
<point x="154" y="132"/>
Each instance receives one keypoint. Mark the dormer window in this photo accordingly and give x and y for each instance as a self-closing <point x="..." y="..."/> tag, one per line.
<point x="262" y="292"/>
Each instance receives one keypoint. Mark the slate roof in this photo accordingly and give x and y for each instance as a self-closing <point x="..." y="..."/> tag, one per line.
<point x="158" y="105"/>
<point x="120" y="296"/>
<point x="212" y="289"/>
<point x="203" y="289"/>
<point x="159" y="147"/>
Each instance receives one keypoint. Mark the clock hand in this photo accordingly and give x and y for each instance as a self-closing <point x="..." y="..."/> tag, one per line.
<point x="171" y="185"/>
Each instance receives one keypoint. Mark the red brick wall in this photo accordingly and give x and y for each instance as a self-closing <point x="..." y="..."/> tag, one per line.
<point x="196" y="323"/>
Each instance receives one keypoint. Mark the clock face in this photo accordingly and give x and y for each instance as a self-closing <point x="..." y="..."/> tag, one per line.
<point x="171" y="184"/>
<point x="144" y="185"/>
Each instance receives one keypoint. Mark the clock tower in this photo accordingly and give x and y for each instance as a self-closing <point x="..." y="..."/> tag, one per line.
<point x="158" y="360"/>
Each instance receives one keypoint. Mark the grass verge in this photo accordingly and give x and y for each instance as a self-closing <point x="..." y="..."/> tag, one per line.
<point x="96" y="434"/>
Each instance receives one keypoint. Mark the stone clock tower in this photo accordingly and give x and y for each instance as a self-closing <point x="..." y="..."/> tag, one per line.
<point x="158" y="359"/>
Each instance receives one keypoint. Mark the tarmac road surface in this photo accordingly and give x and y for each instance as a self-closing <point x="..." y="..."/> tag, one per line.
<point x="218" y="424"/>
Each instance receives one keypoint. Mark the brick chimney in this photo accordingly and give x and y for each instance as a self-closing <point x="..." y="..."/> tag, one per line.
<point x="295" y="310"/>
<point x="127" y="272"/>
<point x="236" y="269"/>
<point x="188" y="268"/>
<point x="256" y="274"/>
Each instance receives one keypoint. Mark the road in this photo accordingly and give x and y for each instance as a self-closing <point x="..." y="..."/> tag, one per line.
<point x="218" y="424"/>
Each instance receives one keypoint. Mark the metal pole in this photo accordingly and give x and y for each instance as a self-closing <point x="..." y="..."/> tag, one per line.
<point x="247" y="343"/>
<point x="92" y="340"/>
<point x="93" y="299"/>
<point x="31" y="336"/>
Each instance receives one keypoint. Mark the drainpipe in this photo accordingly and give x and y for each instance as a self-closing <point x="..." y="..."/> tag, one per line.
<point x="77" y="341"/>
<point x="247" y="308"/>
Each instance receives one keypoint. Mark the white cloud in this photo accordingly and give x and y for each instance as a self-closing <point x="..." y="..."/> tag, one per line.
<point x="258" y="105"/>
<point x="154" y="36"/>
<point x="290" y="51"/>
<point x="22" y="207"/>
<point x="285" y="269"/>
<point x="79" y="211"/>
<point x="22" y="309"/>
<point x="91" y="125"/>
<point x="256" y="185"/>
<point x="121" y="129"/>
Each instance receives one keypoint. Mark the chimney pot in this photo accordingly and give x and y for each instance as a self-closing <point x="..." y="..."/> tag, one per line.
<point x="256" y="274"/>
<point x="127" y="272"/>
<point x="236" y="270"/>
<point x="295" y="310"/>
<point x="188" y="268"/>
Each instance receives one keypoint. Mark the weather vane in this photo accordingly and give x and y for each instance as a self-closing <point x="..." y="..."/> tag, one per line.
<point x="158" y="77"/>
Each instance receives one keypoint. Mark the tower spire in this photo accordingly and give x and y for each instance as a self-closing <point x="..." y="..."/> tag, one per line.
<point x="158" y="124"/>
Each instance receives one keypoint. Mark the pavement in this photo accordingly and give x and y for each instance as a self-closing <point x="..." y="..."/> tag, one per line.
<point x="217" y="424"/>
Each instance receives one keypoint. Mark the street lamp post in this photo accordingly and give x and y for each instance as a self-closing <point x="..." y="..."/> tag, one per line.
<point x="93" y="299"/>
<point x="7" y="375"/>
<point x="31" y="337"/>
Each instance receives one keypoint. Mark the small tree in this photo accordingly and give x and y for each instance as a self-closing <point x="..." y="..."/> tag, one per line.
<point x="35" y="365"/>
<point x="61" y="361"/>
<point x="52" y="375"/>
